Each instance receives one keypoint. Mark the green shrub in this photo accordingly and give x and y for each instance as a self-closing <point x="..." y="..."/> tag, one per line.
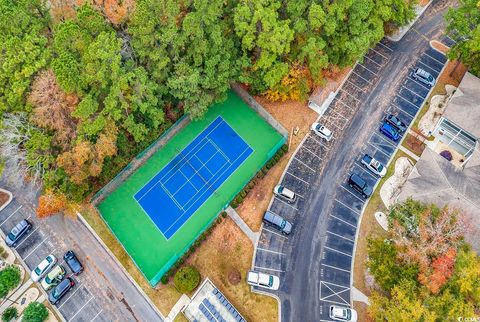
<point x="264" y="170"/>
<point x="3" y="253"/>
<point x="164" y="279"/>
<point x="243" y="194"/>
<point x="234" y="204"/>
<point x="224" y="214"/>
<point x="186" y="279"/>
<point x="35" y="312"/>
<point x="9" y="314"/>
<point x="9" y="279"/>
<point x="285" y="147"/>
<point x="251" y="185"/>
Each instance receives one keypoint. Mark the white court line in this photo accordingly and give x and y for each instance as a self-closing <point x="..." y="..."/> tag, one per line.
<point x="353" y="72"/>
<point x="304" y="164"/>
<point x="270" y="251"/>
<point x="13" y="213"/>
<point x="297" y="177"/>
<point x="355" y="211"/>
<point x="342" y="220"/>
<point x="425" y="53"/>
<point x="371" y="71"/>
<point x="408" y="89"/>
<point x="352" y="193"/>
<point x="385" y="46"/>
<point x="26" y="237"/>
<point x="283" y="201"/>
<point x="336" y="250"/>
<point x="379" y="54"/>
<point x="81" y="308"/>
<point x="332" y="233"/>
<point x="335" y="267"/>
<point x="31" y="252"/>
<point x="68" y="298"/>
<point x="275" y="233"/>
<point x="344" y="91"/>
<point x="373" y="61"/>
<point x="96" y="315"/>
<point x="269" y="269"/>
<point x="308" y="150"/>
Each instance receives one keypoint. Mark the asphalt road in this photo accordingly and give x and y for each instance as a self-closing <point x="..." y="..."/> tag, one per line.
<point x="314" y="262"/>
<point x="102" y="292"/>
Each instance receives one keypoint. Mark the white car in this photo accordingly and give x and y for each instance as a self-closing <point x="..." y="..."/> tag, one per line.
<point x="285" y="193"/>
<point x="43" y="268"/>
<point x="374" y="166"/>
<point x="339" y="313"/>
<point x="263" y="280"/>
<point x="322" y="131"/>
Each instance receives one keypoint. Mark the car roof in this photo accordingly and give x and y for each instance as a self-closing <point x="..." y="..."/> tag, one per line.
<point x="422" y="72"/>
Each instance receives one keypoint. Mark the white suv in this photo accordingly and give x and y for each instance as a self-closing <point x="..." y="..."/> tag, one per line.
<point x="285" y="193"/>
<point x="322" y="131"/>
<point x="339" y="313"/>
<point x="263" y="280"/>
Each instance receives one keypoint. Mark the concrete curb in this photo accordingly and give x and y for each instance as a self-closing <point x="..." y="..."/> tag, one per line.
<point x="10" y="197"/>
<point x="403" y="30"/>
<point x="99" y="239"/>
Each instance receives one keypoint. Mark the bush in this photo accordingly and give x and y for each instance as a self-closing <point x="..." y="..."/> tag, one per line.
<point x="9" y="279"/>
<point x="9" y="314"/>
<point x="35" y="312"/>
<point x="186" y="279"/>
<point x="447" y="155"/>
<point x="164" y="279"/>
<point x="224" y="214"/>
<point x="285" y="147"/>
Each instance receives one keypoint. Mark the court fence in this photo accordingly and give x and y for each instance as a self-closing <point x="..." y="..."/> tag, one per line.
<point x="139" y="160"/>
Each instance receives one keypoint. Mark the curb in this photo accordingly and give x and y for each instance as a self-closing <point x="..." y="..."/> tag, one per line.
<point x="399" y="35"/>
<point x="10" y="197"/>
<point x="99" y="239"/>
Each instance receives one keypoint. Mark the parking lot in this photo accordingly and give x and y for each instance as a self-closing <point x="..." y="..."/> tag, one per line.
<point x="338" y="242"/>
<point x="83" y="302"/>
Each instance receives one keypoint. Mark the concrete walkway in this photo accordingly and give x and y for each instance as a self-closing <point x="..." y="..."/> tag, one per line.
<point x="358" y="296"/>
<point x="243" y="226"/>
<point x="7" y="302"/>
<point x="181" y="303"/>
<point x="410" y="153"/>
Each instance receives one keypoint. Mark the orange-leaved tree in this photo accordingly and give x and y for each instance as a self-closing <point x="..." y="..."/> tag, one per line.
<point x="51" y="203"/>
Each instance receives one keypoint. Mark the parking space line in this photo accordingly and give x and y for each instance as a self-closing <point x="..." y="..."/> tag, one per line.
<point x="387" y="141"/>
<point x="336" y="113"/>
<point x="96" y="315"/>
<point x="288" y="204"/>
<point x="35" y="248"/>
<point x="270" y="251"/>
<point x="308" y="150"/>
<point x="336" y="250"/>
<point x="353" y="72"/>
<point x="297" y="178"/>
<point x="350" y="95"/>
<point x="26" y="237"/>
<point x="332" y="233"/>
<point x="346" y="105"/>
<point x="304" y="164"/>
<point x="380" y="54"/>
<point x="333" y="292"/>
<point x="371" y="71"/>
<point x="335" y="302"/>
<point x="81" y="308"/>
<point x="338" y="285"/>
<point x="425" y="53"/>
<point x="13" y="213"/>
<point x="270" y="269"/>
<point x="429" y="67"/>
<point x="344" y="221"/>
<point x="408" y="89"/>
<point x="335" y="267"/>
<point x="372" y="61"/>
<point x="351" y="193"/>
<point x="380" y="43"/>
<point x="371" y="175"/>
<point x="320" y="142"/>
<point x="379" y="150"/>
<point x="355" y="211"/>
<point x="400" y="108"/>
<point x="68" y="298"/>
<point x="418" y="83"/>
<point x="403" y="98"/>
<point x="275" y="233"/>
<point x="361" y="90"/>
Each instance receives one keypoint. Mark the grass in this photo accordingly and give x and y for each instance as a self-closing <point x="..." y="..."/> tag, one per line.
<point x="438" y="89"/>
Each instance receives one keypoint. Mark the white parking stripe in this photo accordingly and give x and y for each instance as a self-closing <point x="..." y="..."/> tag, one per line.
<point x="404" y="111"/>
<point x="311" y="169"/>
<point x="419" y="83"/>
<point x="297" y="178"/>
<point x="344" y="91"/>
<point x="384" y="139"/>
<point x="372" y="61"/>
<point x="283" y="201"/>
<point x="383" y="45"/>
<point x="13" y="213"/>
<point x="338" y="285"/>
<point x="335" y="302"/>
<point x="344" y="221"/>
<point x="348" y="80"/>
<point x="308" y="150"/>
<point x="425" y="53"/>
<point x="355" y="211"/>
<point x="408" y="89"/>
<point x="26" y="237"/>
<point x="68" y="298"/>
<point x="336" y="250"/>
<point x="352" y="193"/>
<point x="332" y="233"/>
<point x="96" y="315"/>
<point x="353" y="72"/>
<point x="371" y="71"/>
<point x="371" y="175"/>
<point x="379" y="54"/>
<point x="25" y="258"/>
<point x="338" y="114"/>
<point x="81" y="308"/>
<point x="406" y="100"/>
<point x="314" y="136"/>
<point x="335" y="267"/>
<point x="275" y="233"/>
<point x="429" y="67"/>
<point x="270" y="251"/>
<point x="345" y="105"/>
<point x="270" y="269"/>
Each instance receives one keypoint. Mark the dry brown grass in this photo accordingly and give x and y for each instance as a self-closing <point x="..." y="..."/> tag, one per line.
<point x="440" y="46"/>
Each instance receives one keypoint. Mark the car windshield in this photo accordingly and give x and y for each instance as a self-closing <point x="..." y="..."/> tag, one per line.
<point x="430" y="78"/>
<point x="38" y="271"/>
<point x="348" y="314"/>
<point x="11" y="236"/>
<point x="377" y="166"/>
<point x="280" y="189"/>
<point x="270" y="281"/>
<point x="283" y="224"/>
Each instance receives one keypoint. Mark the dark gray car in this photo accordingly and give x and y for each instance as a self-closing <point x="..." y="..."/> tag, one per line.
<point x="271" y="219"/>
<point x="17" y="232"/>
<point x="357" y="183"/>
<point x="60" y="290"/>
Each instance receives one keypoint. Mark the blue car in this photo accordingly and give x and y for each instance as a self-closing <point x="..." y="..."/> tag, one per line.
<point x="390" y="132"/>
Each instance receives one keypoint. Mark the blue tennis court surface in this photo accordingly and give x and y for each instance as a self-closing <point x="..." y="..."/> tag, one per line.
<point x="189" y="179"/>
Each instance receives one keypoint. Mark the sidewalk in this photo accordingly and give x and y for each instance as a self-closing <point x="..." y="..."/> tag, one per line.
<point x="243" y="226"/>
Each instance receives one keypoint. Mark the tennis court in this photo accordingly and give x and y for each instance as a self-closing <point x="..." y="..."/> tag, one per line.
<point x="159" y="211"/>
<point x="187" y="181"/>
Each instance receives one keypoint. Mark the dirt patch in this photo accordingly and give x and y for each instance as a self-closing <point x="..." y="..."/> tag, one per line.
<point x="3" y="198"/>
<point x="414" y="144"/>
<point x="234" y="276"/>
<point x="440" y="47"/>
<point x="453" y="73"/>
<point x="423" y="3"/>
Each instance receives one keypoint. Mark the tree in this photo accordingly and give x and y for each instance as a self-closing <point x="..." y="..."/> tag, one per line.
<point x="35" y="312"/>
<point x="440" y="272"/>
<point x="186" y="279"/>
<point x="463" y="25"/>
<point x="9" y="279"/>
<point x="23" y="49"/>
<point x="51" y="203"/>
<point x="9" y="314"/>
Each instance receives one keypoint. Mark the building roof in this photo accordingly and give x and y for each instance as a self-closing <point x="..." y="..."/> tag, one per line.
<point x="463" y="109"/>
<point x="435" y="180"/>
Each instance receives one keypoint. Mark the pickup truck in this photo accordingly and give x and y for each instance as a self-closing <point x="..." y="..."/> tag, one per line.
<point x="263" y="280"/>
<point x="374" y="166"/>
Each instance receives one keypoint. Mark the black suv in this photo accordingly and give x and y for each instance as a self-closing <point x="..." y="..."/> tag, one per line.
<point x="357" y="183"/>
<point x="60" y="290"/>
<point x="17" y="232"/>
<point x="395" y="121"/>
<point x="73" y="262"/>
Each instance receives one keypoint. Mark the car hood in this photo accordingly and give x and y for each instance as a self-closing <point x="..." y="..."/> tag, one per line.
<point x="288" y="227"/>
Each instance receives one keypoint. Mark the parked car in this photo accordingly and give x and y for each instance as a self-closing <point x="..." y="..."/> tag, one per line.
<point x="17" y="232"/>
<point x="284" y="193"/>
<point x="60" y="290"/>
<point x="339" y="313"/>
<point x="356" y="182"/>
<point x="73" y="262"/>
<point x="43" y="268"/>
<point x="396" y="122"/>
<point x="271" y="219"/>
<point x="322" y="131"/>
<point x="389" y="131"/>
<point x="263" y="280"/>
<point x="423" y="76"/>
<point x="53" y="278"/>
<point x="373" y="165"/>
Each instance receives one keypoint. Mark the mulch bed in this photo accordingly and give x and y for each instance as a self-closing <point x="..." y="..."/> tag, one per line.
<point x="3" y="198"/>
